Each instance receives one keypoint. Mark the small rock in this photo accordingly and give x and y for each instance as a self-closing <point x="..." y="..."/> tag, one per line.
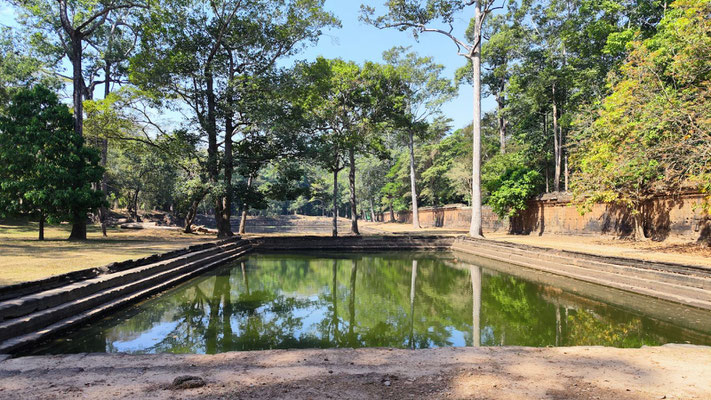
<point x="386" y="383"/>
<point x="187" y="382"/>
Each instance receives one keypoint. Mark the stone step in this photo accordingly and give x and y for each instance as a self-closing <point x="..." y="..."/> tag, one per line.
<point x="663" y="290"/>
<point x="27" y="304"/>
<point x="40" y="319"/>
<point x="22" y="341"/>
<point x="691" y="278"/>
<point x="622" y="275"/>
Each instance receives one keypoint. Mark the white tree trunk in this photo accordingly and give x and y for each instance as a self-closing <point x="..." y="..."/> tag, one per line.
<point x="557" y="145"/>
<point x="475" y="228"/>
<point x="334" y="231"/>
<point x="413" y="187"/>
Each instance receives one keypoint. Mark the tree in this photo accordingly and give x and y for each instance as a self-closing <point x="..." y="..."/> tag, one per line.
<point x="651" y="133"/>
<point x="271" y="130"/>
<point x="427" y="92"/>
<point x="345" y="104"/>
<point x="64" y="27"/>
<point x="19" y="66"/>
<point x="45" y="169"/>
<point x="503" y="34"/>
<point x="372" y="173"/>
<point x="201" y="54"/>
<point x="420" y="18"/>
<point x="512" y="186"/>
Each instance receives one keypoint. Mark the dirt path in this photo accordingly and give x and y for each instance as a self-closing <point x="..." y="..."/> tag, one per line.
<point x="674" y="250"/>
<point x="670" y="372"/>
<point x="671" y="250"/>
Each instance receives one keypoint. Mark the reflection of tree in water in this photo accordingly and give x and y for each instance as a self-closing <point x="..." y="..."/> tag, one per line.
<point x="513" y="310"/>
<point x="393" y="306"/>
<point x="587" y="328"/>
<point x="519" y="312"/>
<point x="413" y="301"/>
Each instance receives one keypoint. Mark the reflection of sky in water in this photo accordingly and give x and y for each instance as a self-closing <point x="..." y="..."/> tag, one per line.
<point x="290" y="305"/>
<point x="456" y="338"/>
<point x="156" y="334"/>
<point x="310" y="318"/>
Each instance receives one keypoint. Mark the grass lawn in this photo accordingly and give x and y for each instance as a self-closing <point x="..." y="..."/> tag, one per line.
<point x="24" y="258"/>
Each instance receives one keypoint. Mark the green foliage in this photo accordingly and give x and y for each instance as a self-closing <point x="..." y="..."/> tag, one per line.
<point x="45" y="168"/>
<point x="143" y="178"/>
<point x="512" y="190"/>
<point x="651" y="133"/>
<point x="18" y="67"/>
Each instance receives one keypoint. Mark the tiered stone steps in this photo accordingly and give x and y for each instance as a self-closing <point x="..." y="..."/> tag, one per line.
<point x="35" y="316"/>
<point x="680" y="284"/>
<point x="354" y="243"/>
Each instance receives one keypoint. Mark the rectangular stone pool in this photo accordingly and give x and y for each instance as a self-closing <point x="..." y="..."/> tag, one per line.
<point x="404" y="300"/>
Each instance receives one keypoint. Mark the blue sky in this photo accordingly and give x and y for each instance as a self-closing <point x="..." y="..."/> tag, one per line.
<point x="359" y="42"/>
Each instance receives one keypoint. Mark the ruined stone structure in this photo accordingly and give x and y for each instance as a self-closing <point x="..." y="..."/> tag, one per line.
<point x="664" y="216"/>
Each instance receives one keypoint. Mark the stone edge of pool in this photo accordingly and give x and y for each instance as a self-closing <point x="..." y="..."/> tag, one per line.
<point x="40" y="310"/>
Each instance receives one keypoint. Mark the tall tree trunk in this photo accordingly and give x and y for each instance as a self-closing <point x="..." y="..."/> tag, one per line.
<point x="245" y="209"/>
<point x="135" y="205"/>
<point x="41" y="226"/>
<point x="79" y="216"/>
<point x="352" y="184"/>
<point x="413" y="186"/>
<point x="392" y="212"/>
<point x="192" y="212"/>
<point x="103" y="210"/>
<point x="104" y="149"/>
<point x="372" y="210"/>
<point x="334" y="231"/>
<point x="502" y="121"/>
<point x="475" y="228"/>
<point x="567" y="173"/>
<point x="78" y="226"/>
<point x="212" y="150"/>
<point x="556" y="144"/>
<point x="226" y="230"/>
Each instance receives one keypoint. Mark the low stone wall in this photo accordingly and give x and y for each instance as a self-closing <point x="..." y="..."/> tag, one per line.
<point x="352" y="243"/>
<point x="454" y="216"/>
<point x="664" y="216"/>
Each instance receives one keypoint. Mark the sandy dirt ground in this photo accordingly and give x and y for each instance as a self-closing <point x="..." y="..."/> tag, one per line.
<point x="667" y="372"/>
<point x="671" y="250"/>
<point x="674" y="250"/>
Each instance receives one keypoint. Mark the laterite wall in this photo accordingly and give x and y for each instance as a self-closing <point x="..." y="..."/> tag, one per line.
<point x="679" y="216"/>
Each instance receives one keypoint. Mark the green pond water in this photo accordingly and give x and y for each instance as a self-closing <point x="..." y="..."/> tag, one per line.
<point x="408" y="300"/>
